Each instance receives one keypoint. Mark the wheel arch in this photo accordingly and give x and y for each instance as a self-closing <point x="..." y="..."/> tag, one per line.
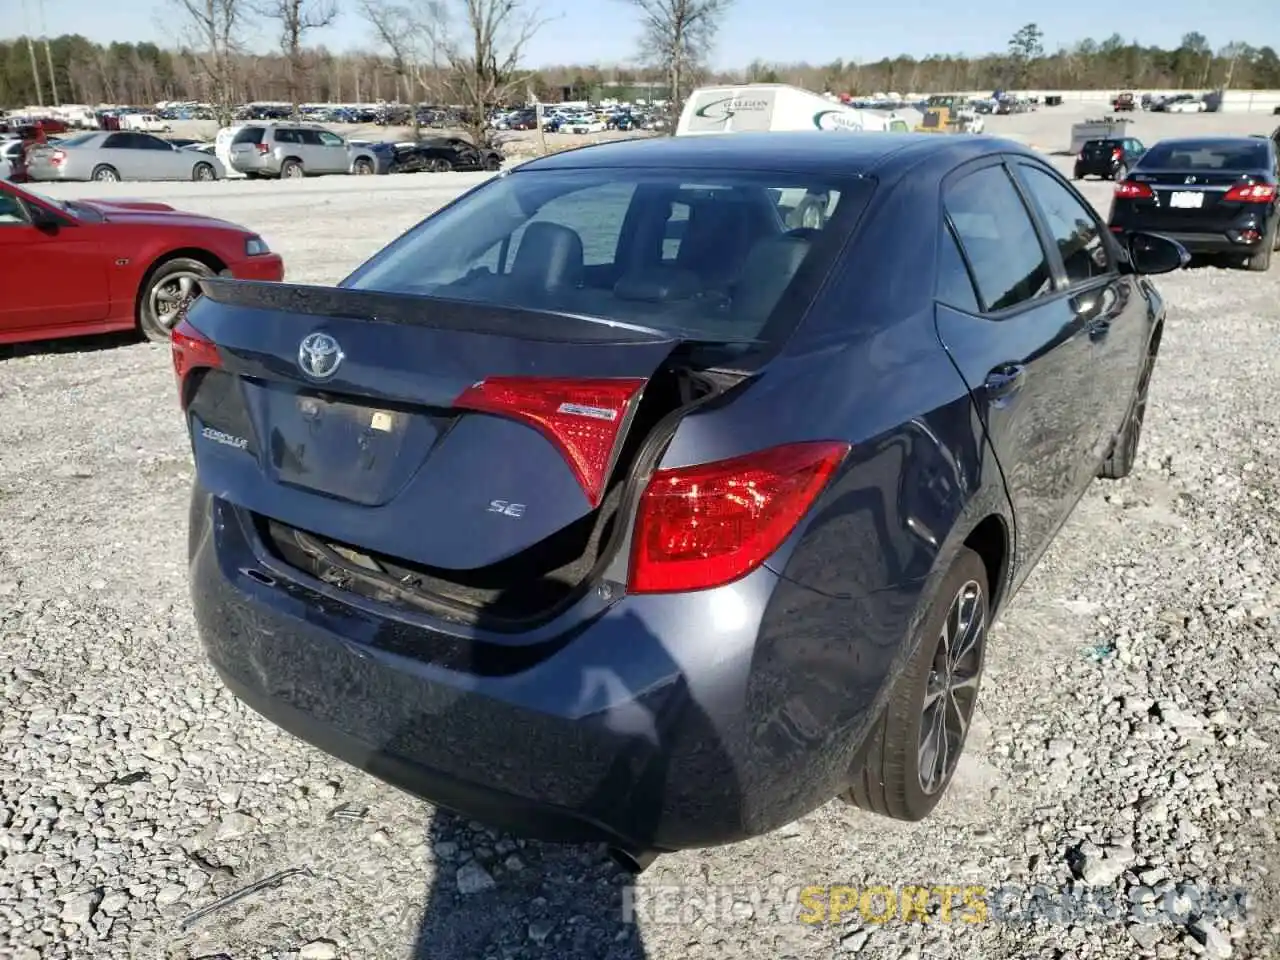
<point x="208" y="258"/>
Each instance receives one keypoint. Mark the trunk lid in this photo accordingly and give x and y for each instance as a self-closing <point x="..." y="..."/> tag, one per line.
<point x="450" y="434"/>
<point x="1188" y="198"/>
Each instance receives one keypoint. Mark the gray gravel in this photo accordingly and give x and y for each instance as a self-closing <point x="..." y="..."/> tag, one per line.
<point x="1126" y="743"/>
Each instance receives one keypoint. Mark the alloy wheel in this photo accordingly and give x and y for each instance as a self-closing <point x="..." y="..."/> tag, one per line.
<point x="952" y="689"/>
<point x="169" y="294"/>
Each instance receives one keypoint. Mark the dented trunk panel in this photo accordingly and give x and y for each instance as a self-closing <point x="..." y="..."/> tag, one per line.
<point x="377" y="455"/>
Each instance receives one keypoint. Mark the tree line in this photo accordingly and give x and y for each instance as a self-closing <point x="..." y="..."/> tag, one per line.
<point x="410" y="57"/>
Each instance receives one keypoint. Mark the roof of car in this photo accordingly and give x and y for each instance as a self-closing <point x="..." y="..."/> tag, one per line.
<point x="1207" y="141"/>
<point x="804" y="151"/>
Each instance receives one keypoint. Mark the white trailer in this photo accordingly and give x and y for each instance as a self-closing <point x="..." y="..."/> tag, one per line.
<point x="771" y="107"/>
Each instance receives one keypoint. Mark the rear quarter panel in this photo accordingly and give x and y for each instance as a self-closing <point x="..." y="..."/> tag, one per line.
<point x="863" y="569"/>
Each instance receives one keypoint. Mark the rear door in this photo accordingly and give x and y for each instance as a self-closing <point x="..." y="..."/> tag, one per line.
<point x="124" y="152"/>
<point x="1111" y="305"/>
<point x="332" y="148"/>
<point x="162" y="161"/>
<point x="1021" y="348"/>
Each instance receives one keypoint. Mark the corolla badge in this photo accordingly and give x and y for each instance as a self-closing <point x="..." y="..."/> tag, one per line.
<point x="319" y="356"/>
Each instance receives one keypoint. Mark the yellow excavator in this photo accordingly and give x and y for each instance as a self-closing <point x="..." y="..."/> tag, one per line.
<point x="945" y="113"/>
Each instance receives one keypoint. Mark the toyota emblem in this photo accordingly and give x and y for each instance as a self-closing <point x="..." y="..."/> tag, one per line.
<point x="319" y="356"/>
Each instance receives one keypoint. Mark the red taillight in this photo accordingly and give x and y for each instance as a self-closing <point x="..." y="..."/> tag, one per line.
<point x="192" y="350"/>
<point x="704" y="526"/>
<point x="1117" y="153"/>
<point x="1251" y="193"/>
<point x="56" y="158"/>
<point x="1129" y="190"/>
<point x="263" y="148"/>
<point x="583" y="418"/>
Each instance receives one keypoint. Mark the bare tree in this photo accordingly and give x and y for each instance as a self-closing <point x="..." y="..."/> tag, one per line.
<point x="410" y="31"/>
<point x="213" y="30"/>
<point x="677" y="36"/>
<point x="484" y="59"/>
<point x="297" y="18"/>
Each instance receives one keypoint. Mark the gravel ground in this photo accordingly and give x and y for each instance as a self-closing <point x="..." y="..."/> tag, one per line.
<point x="1125" y="745"/>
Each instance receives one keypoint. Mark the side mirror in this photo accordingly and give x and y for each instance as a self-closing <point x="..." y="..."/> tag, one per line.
<point x="1151" y="253"/>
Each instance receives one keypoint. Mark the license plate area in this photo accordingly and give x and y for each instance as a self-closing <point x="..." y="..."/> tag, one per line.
<point x="346" y="448"/>
<point x="1186" y="200"/>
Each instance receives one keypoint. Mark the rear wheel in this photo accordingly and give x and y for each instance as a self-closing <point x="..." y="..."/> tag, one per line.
<point x="203" y="171"/>
<point x="916" y="745"/>
<point x="105" y="174"/>
<point x="363" y="167"/>
<point x="1076" y="174"/>
<point x="166" y="289"/>
<point x="1124" y="450"/>
<point x="291" y="169"/>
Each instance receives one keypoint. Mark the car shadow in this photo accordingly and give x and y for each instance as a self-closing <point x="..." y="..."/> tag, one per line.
<point x="496" y="895"/>
<point x="90" y="344"/>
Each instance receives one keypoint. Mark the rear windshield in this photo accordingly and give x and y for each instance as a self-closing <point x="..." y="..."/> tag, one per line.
<point x="248" y="135"/>
<point x="1101" y="144"/>
<point x="703" y="254"/>
<point x="1223" y="155"/>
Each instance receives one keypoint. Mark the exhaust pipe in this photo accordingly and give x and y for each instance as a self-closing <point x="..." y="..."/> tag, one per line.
<point x="634" y="862"/>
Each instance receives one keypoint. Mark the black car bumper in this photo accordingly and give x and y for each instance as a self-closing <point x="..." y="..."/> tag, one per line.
<point x="607" y="738"/>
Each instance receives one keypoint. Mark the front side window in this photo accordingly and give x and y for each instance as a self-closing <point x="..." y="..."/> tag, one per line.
<point x="650" y="247"/>
<point x="998" y="236"/>
<point x="12" y="212"/>
<point x="330" y="139"/>
<point x="1074" y="228"/>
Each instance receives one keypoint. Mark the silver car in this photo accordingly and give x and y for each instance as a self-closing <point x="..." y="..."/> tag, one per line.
<point x="10" y="158"/>
<point x="296" y="150"/>
<point x="120" y="155"/>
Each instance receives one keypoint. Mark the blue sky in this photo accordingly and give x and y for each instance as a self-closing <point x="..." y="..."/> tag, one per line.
<point x="819" y="31"/>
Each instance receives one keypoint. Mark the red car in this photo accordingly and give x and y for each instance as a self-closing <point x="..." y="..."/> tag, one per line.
<point x="95" y="266"/>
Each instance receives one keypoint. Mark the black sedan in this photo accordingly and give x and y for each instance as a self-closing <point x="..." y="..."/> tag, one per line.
<point x="1214" y="195"/>
<point x="443" y="154"/>
<point x="1109" y="159"/>
<point x="639" y="514"/>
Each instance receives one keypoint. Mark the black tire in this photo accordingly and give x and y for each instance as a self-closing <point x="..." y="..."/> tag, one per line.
<point x="441" y="165"/>
<point x="157" y="307"/>
<point x="204" y="172"/>
<point x="105" y="173"/>
<point x="363" y="168"/>
<point x="1076" y="174"/>
<point x="890" y="780"/>
<point x="492" y="163"/>
<point x="1260" y="262"/>
<point x="291" y="169"/>
<point x="1124" y="449"/>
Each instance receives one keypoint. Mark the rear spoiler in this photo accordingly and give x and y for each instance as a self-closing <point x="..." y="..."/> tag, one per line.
<point x="436" y="313"/>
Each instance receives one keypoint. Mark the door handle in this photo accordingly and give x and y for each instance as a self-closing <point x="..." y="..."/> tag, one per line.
<point x="1004" y="381"/>
<point x="1089" y="307"/>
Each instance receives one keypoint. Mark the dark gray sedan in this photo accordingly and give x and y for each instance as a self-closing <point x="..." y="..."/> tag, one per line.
<point x="120" y="155"/>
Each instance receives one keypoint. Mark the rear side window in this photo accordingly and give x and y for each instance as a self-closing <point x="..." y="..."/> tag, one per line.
<point x="997" y="234"/>
<point x="1075" y="230"/>
<point x="249" y="135"/>
<point x="118" y="141"/>
<point x="286" y="136"/>
<point x="955" y="286"/>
